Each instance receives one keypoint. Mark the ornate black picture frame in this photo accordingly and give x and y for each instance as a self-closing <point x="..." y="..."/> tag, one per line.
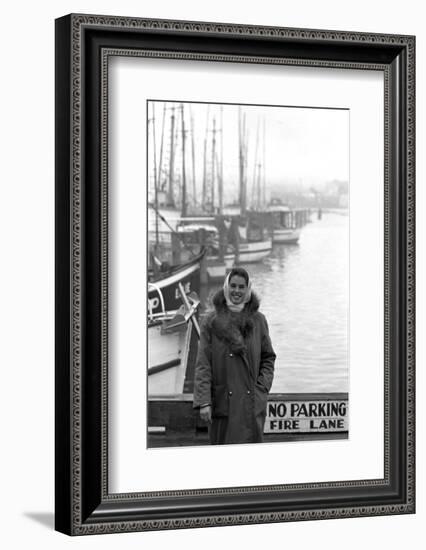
<point x="84" y="44"/>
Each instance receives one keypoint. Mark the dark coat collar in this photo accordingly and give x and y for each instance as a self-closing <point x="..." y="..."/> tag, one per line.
<point x="232" y="328"/>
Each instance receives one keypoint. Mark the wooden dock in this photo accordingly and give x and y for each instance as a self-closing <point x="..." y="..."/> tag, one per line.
<point x="173" y="422"/>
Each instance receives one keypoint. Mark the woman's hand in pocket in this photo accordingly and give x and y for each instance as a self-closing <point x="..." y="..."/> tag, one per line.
<point x="206" y="413"/>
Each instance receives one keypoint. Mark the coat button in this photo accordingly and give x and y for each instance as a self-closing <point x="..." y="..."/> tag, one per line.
<point x="230" y="393"/>
<point x="231" y="355"/>
<point x="248" y="392"/>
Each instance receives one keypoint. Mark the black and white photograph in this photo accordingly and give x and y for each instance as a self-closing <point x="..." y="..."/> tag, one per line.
<point x="248" y="247"/>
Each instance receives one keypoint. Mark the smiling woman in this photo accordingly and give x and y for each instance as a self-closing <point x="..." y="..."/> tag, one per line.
<point x="238" y="289"/>
<point x="235" y="364"/>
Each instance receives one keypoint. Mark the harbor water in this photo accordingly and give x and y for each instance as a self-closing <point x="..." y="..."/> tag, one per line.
<point x="304" y="293"/>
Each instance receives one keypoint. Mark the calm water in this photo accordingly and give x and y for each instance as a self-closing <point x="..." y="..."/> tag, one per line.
<point x="304" y="291"/>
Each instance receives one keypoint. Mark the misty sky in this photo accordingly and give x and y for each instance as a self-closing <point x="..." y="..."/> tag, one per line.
<point x="303" y="146"/>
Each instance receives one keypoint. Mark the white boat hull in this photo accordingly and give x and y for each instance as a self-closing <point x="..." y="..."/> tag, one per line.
<point x="254" y="251"/>
<point x="217" y="270"/>
<point x="167" y="359"/>
<point x="289" y="236"/>
<point x="229" y="261"/>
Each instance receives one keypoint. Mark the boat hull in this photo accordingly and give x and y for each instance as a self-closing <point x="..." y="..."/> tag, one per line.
<point x="168" y="353"/>
<point x="286" y="236"/>
<point x="217" y="270"/>
<point x="188" y="275"/>
<point x="254" y="251"/>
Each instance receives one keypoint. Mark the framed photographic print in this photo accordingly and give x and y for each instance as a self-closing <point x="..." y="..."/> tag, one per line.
<point x="234" y="274"/>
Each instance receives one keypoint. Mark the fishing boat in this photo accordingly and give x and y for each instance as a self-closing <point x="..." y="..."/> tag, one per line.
<point x="170" y="337"/>
<point x="220" y="257"/>
<point x="167" y="278"/>
<point x="284" y="228"/>
<point x="254" y="243"/>
<point x="217" y="269"/>
<point x="250" y="252"/>
<point x="171" y="262"/>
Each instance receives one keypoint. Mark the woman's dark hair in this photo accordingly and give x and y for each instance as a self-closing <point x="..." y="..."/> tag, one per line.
<point x="241" y="272"/>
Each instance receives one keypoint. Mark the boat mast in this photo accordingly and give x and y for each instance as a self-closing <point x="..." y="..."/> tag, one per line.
<point x="221" y="163"/>
<point x="205" y="160"/>
<point x="264" y="163"/>
<point x="160" y="163"/>
<point x="184" y="211"/>
<point x="155" y="177"/>
<point x="242" y="159"/>
<point x="255" y="188"/>
<point x="194" y="191"/>
<point x="213" y="164"/>
<point x="170" y="194"/>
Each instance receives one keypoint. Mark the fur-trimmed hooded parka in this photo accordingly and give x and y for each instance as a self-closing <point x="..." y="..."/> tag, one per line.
<point x="234" y="371"/>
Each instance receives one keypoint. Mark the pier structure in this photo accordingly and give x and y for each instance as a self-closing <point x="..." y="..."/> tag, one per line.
<point x="172" y="421"/>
